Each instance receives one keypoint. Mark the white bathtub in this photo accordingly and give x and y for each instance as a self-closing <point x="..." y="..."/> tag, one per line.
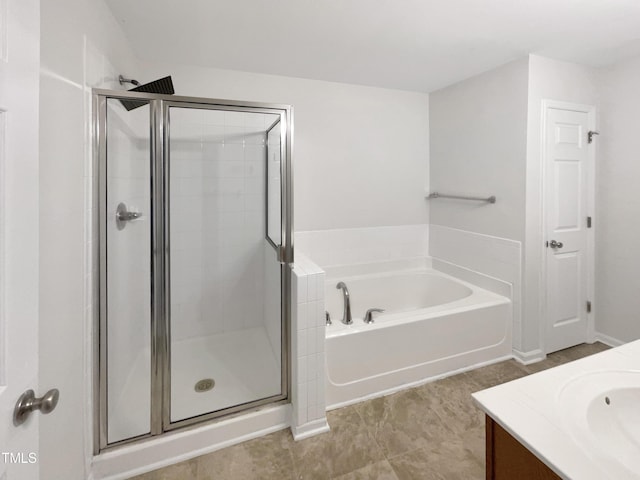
<point x="433" y="324"/>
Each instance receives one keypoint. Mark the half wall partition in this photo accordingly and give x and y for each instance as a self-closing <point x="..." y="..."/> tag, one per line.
<point x="194" y="232"/>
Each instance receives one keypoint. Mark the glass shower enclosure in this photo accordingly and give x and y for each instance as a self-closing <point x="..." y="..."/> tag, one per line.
<point x="194" y="228"/>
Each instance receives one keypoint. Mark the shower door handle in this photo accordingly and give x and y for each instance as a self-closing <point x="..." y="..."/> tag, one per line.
<point x="127" y="216"/>
<point x="123" y="216"/>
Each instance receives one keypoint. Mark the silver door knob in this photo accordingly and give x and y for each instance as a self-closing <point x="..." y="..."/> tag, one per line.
<point x="28" y="403"/>
<point x="554" y="244"/>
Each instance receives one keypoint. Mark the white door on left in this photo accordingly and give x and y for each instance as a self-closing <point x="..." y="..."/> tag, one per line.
<point x="19" y="240"/>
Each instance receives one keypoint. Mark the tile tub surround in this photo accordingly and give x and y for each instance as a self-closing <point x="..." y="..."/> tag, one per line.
<point x="349" y="246"/>
<point x="307" y="349"/>
<point x="495" y="257"/>
<point x="379" y="438"/>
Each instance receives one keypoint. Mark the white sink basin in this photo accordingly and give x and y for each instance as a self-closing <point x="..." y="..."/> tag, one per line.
<point x="601" y="411"/>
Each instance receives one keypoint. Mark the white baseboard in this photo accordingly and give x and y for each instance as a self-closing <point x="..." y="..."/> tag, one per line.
<point x="173" y="447"/>
<point x="607" y="340"/>
<point x="309" y="429"/>
<point x="527" y="358"/>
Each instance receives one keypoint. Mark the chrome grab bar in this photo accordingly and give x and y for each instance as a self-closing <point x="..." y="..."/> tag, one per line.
<point x="491" y="199"/>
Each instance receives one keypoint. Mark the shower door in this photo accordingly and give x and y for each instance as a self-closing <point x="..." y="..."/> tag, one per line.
<point x="195" y="237"/>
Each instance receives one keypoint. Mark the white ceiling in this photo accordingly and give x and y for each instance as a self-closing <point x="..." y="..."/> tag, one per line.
<point x="419" y="45"/>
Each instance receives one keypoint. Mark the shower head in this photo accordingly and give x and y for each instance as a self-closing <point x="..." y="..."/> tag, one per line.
<point x="123" y="80"/>
<point x="163" y="86"/>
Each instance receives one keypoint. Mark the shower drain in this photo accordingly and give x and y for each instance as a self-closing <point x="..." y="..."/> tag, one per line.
<point x="204" y="385"/>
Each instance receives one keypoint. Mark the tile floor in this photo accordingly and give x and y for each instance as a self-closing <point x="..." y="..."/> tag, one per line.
<point x="431" y="432"/>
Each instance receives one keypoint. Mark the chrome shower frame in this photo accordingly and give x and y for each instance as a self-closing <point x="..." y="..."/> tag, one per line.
<point x="160" y="394"/>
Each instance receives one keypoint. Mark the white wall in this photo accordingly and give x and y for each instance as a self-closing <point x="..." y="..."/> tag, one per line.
<point x="551" y="80"/>
<point x="82" y="46"/>
<point x="478" y="147"/>
<point x="363" y="245"/>
<point x="617" y="302"/>
<point x="360" y="153"/>
<point x="485" y="139"/>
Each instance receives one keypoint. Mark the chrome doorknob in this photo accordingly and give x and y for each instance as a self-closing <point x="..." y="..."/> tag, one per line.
<point x="554" y="244"/>
<point x="28" y="403"/>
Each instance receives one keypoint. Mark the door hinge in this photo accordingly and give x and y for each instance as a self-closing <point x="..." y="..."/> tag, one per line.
<point x="590" y="135"/>
<point x="588" y="222"/>
<point x="588" y="306"/>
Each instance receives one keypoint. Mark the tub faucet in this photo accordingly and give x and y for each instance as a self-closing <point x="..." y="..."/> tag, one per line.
<point x="346" y="316"/>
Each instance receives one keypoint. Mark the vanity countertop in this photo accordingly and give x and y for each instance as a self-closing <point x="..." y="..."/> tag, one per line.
<point x="540" y="412"/>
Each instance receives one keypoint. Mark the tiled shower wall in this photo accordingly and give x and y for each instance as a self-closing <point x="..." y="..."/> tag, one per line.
<point x="217" y="221"/>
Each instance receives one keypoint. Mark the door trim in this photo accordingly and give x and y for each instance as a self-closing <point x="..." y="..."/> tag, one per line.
<point x="590" y="110"/>
<point x="3" y="264"/>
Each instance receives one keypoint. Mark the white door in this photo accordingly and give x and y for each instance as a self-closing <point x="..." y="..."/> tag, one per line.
<point x="568" y="158"/>
<point x="19" y="70"/>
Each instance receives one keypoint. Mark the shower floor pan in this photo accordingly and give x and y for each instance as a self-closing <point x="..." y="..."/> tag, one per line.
<point x="242" y="365"/>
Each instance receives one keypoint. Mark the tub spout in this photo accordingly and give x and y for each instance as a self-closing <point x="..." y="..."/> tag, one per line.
<point x="346" y="316"/>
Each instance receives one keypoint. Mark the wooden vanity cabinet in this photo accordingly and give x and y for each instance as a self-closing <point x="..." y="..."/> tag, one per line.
<point x="508" y="459"/>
